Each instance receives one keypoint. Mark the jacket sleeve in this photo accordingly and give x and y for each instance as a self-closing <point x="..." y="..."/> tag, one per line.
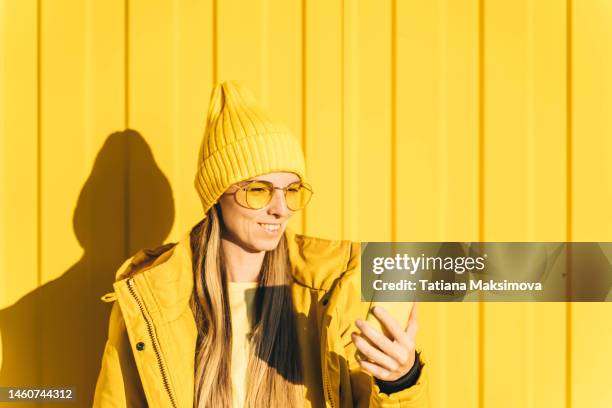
<point x="365" y="391"/>
<point x="118" y="383"/>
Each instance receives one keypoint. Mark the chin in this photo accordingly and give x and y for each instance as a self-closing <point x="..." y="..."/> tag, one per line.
<point x="267" y="245"/>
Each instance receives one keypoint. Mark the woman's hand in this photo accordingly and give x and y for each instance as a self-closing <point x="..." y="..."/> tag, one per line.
<point x="387" y="358"/>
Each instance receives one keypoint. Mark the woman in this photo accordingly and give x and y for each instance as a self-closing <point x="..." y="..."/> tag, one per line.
<point x="242" y="311"/>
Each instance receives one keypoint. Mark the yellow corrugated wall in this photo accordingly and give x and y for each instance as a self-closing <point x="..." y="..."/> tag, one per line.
<point x="442" y="120"/>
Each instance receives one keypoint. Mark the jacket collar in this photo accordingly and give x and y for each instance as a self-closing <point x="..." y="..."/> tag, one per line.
<point x="167" y="273"/>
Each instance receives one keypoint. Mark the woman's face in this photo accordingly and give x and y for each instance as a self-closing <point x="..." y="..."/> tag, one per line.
<point x="257" y="230"/>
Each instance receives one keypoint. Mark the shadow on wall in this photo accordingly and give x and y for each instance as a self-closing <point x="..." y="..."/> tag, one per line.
<point x="55" y="335"/>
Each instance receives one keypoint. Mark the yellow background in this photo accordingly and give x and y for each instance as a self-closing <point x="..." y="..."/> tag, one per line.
<point x="441" y="120"/>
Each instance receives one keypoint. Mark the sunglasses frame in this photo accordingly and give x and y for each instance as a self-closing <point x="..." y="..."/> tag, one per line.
<point x="244" y="184"/>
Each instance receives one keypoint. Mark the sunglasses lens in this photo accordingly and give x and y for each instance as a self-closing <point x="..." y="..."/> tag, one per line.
<point x="258" y="194"/>
<point x="298" y="195"/>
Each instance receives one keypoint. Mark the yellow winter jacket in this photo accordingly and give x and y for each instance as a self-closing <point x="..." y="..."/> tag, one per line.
<point x="148" y="358"/>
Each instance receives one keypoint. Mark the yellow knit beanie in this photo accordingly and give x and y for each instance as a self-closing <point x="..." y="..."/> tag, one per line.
<point x="241" y="142"/>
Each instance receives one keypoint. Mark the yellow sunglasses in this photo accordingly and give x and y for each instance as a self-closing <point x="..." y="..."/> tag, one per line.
<point x="256" y="194"/>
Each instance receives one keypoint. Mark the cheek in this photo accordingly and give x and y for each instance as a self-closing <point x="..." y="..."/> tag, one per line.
<point x="242" y="224"/>
<point x="239" y="222"/>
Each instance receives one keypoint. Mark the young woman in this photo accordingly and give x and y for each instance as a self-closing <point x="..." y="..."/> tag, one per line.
<point x="242" y="311"/>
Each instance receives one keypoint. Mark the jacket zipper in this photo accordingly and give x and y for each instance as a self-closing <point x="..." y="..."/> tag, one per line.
<point x="162" y="369"/>
<point x="326" y="383"/>
<point x="328" y="389"/>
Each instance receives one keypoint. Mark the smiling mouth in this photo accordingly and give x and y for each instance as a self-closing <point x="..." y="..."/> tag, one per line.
<point x="270" y="227"/>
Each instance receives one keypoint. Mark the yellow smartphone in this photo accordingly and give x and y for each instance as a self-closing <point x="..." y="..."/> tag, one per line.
<point x="400" y="311"/>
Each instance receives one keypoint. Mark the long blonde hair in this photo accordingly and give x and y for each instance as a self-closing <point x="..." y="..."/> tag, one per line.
<point x="274" y="373"/>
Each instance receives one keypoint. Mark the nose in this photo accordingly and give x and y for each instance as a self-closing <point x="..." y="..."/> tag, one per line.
<point x="278" y="206"/>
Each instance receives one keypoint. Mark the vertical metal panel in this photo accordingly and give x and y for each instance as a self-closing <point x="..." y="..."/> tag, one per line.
<point x="240" y="46"/>
<point x="524" y="145"/>
<point x="350" y="121"/>
<point x="323" y="120"/>
<point x="372" y="100"/>
<point x="193" y="76"/>
<point x="19" y="150"/>
<point x="152" y="75"/>
<point x="62" y="124"/>
<point x="20" y="176"/>
<point x="545" y="189"/>
<point x="591" y="187"/>
<point x="458" y="37"/>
